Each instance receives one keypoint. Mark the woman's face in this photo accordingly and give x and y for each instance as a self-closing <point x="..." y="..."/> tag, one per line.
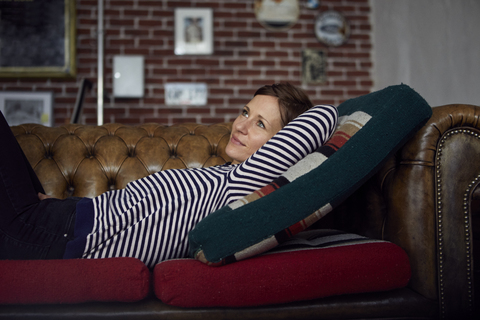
<point x="259" y="121"/>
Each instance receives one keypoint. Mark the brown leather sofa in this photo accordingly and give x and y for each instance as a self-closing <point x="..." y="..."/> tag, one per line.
<point x="425" y="199"/>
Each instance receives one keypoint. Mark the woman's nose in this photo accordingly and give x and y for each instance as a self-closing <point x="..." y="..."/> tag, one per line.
<point x="242" y="126"/>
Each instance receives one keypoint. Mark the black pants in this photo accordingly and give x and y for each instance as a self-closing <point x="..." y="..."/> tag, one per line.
<point x="29" y="228"/>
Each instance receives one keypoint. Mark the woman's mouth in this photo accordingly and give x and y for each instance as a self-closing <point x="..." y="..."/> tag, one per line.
<point x="235" y="141"/>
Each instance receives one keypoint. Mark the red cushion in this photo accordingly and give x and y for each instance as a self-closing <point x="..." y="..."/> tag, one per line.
<point x="73" y="281"/>
<point x="283" y="277"/>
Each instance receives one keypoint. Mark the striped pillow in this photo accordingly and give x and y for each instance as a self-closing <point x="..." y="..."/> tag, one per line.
<point x="370" y="129"/>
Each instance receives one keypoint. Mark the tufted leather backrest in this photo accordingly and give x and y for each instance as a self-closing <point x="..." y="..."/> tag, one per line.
<point x="85" y="161"/>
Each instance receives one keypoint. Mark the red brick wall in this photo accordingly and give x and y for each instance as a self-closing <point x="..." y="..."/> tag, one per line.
<point x="246" y="56"/>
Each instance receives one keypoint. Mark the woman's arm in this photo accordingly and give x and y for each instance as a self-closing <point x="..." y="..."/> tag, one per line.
<point x="297" y="139"/>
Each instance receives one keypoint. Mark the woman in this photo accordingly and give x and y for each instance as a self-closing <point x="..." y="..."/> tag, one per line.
<point x="151" y="217"/>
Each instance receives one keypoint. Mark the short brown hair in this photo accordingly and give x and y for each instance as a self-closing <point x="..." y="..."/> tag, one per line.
<point x="292" y="100"/>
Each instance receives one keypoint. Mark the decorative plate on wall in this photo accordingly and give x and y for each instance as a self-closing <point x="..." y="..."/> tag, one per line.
<point x="332" y="28"/>
<point x="277" y="15"/>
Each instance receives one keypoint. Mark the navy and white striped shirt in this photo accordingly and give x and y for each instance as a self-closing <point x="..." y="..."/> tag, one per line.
<point x="150" y="218"/>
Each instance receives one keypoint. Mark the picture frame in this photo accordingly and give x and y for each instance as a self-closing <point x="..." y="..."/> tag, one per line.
<point x="314" y="66"/>
<point x="193" y="31"/>
<point x="27" y="107"/>
<point x="50" y="51"/>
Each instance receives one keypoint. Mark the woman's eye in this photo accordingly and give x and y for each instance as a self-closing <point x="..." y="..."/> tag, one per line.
<point x="245" y="113"/>
<point x="261" y="125"/>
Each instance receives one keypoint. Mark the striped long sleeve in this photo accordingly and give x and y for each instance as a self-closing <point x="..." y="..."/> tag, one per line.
<point x="150" y="218"/>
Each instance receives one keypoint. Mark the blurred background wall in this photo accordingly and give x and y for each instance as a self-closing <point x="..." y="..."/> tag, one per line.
<point x="246" y="56"/>
<point x="431" y="45"/>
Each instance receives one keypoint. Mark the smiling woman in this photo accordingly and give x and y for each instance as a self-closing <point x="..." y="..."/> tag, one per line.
<point x="272" y="107"/>
<point x="150" y="219"/>
<point x="258" y="122"/>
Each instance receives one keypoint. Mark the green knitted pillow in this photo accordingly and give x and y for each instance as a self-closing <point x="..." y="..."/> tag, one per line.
<point x="370" y="129"/>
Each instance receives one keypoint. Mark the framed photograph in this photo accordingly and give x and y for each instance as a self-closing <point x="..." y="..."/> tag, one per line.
<point x="27" y="107"/>
<point x="193" y="31"/>
<point x="37" y="39"/>
<point x="314" y="66"/>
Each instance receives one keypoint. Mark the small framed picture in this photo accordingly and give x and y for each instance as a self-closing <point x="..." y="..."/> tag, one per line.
<point x="314" y="66"/>
<point x="193" y="31"/>
<point x="27" y="107"/>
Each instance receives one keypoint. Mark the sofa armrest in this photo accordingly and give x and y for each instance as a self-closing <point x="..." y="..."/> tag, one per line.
<point x="421" y="200"/>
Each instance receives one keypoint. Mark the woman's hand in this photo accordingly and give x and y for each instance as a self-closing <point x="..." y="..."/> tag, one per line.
<point x="42" y="196"/>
